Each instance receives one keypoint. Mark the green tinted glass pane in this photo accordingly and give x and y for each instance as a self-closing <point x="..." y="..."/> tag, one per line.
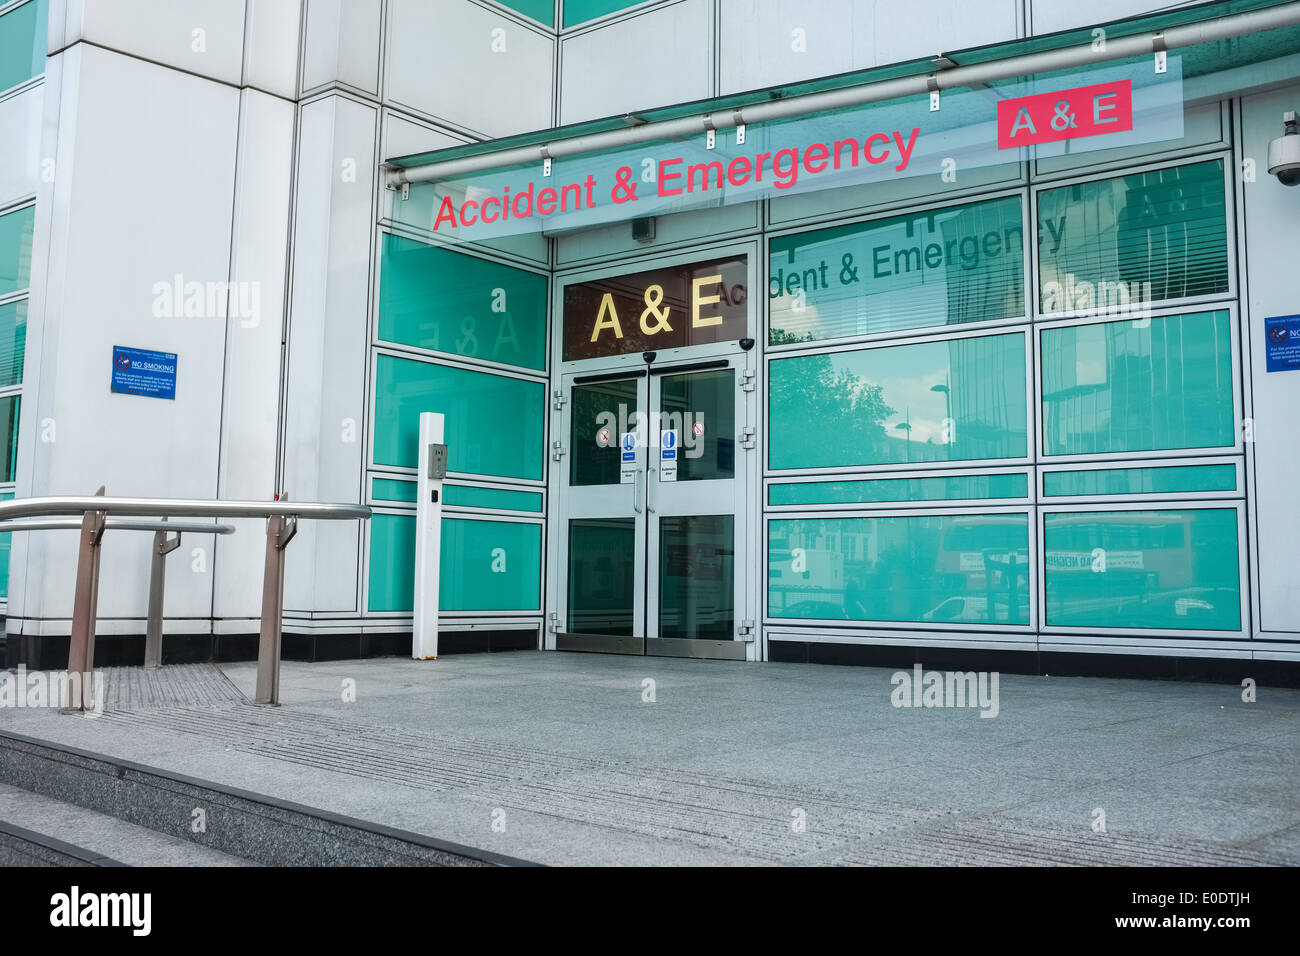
<point x="1164" y="382"/>
<point x="970" y="569"/>
<point x="888" y="406"/>
<point x="1159" y="569"/>
<point x="490" y="566"/>
<point x="502" y="499"/>
<point x="485" y="566"/>
<point x="697" y="577"/>
<point x="9" y="437"/>
<point x="22" y="43"/>
<point x="580" y="11"/>
<point x="494" y="424"/>
<point x="16" y="249"/>
<point x="949" y="488"/>
<point x="1146" y="237"/>
<point x="433" y="298"/>
<point x="543" y="11"/>
<point x="600" y="410"/>
<point x="5" y="544"/>
<point x="1140" y="481"/>
<point x="13" y="342"/>
<point x="390" y="489"/>
<point x="602" y="576"/>
<point x="942" y="267"/>
<point x="707" y="399"/>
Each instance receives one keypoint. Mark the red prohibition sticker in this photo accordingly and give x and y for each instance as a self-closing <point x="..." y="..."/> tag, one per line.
<point x="1067" y="114"/>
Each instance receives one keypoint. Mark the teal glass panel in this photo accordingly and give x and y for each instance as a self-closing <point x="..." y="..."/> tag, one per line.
<point x="490" y="566"/>
<point x="697" y="577"/>
<point x="942" y="267"/>
<point x="959" y="400"/>
<point x="22" y="43"/>
<point x="494" y="424"/>
<point x="9" y="437"/>
<point x="485" y="566"/>
<point x="876" y="490"/>
<point x="390" y="489"/>
<point x="392" y="563"/>
<point x="1143" y="385"/>
<point x="1156" y="569"/>
<point x="16" y="249"/>
<point x="543" y="11"/>
<point x="1180" y="479"/>
<point x="1145" y="237"/>
<point x="13" y="342"/>
<point x="6" y="542"/>
<point x="971" y="569"/>
<point x="433" y="298"/>
<point x="580" y="11"/>
<point x="602" y="576"/>
<point x="503" y="499"/>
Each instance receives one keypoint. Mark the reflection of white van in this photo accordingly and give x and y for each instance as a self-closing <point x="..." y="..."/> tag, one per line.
<point x="959" y="609"/>
<point x="820" y="580"/>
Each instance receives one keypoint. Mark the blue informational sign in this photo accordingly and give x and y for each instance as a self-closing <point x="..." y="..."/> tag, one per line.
<point x="668" y="440"/>
<point x="1282" y="343"/>
<point x="629" y="446"/>
<point x="144" y="372"/>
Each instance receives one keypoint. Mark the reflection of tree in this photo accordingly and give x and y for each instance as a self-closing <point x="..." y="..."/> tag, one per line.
<point x="782" y="337"/>
<point x="840" y="405"/>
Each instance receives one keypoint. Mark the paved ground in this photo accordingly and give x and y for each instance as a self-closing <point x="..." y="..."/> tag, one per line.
<point x="558" y="758"/>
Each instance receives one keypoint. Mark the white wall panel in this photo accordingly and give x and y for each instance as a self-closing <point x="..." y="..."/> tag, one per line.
<point x="328" y="345"/>
<point x="1052" y="15"/>
<point x="133" y="206"/>
<point x="658" y="58"/>
<point x="271" y="46"/>
<point x="250" y="413"/>
<point x="202" y="36"/>
<point x="1271" y="213"/>
<point x="342" y="44"/>
<point x="463" y="64"/>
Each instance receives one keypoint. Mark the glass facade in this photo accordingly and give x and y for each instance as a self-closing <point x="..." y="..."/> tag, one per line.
<point x="22" y="43"/>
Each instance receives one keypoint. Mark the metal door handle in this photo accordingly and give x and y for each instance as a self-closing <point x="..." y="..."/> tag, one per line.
<point x="636" y="497"/>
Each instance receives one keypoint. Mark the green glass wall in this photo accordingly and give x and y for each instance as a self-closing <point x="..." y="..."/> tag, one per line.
<point x="1159" y="383"/>
<point x="1178" y="479"/>
<point x="1174" y="569"/>
<point x="9" y="437"/>
<point x="13" y="342"/>
<point x="494" y="424"/>
<point x="881" y="490"/>
<point x="543" y="11"/>
<point x="580" y="11"/>
<point x="485" y="566"/>
<point x="957" y="400"/>
<point x="434" y="298"/>
<point x="16" y="248"/>
<point x="463" y="496"/>
<point x="971" y="569"/>
<point x="1146" y="237"/>
<point x="22" y="43"/>
<point x="6" y="542"/>
<point x="947" y="266"/>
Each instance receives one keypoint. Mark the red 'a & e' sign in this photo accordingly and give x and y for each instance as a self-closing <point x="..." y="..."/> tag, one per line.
<point x="1067" y="114"/>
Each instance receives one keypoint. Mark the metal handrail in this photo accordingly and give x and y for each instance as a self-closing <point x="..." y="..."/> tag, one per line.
<point x="281" y="525"/>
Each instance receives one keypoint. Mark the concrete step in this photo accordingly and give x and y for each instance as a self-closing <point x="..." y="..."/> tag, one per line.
<point x="206" y="816"/>
<point x="39" y="830"/>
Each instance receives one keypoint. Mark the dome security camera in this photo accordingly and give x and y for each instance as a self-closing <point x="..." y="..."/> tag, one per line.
<point x="1284" y="153"/>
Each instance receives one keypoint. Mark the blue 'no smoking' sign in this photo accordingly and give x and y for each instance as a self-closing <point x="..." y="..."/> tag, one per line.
<point x="1282" y="343"/>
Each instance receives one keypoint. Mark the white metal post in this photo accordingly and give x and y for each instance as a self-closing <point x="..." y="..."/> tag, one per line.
<point x="432" y="467"/>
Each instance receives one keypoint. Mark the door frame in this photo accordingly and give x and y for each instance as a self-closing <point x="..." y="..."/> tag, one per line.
<point x="748" y="475"/>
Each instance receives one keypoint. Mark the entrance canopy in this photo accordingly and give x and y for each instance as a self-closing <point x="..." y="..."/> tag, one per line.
<point x="1123" y="84"/>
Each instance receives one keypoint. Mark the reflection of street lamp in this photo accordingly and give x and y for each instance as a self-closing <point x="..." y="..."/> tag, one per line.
<point x="947" y="409"/>
<point x="906" y="427"/>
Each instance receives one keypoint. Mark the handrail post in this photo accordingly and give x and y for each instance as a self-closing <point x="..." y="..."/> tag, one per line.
<point x="279" y="532"/>
<point x="85" y="607"/>
<point x="162" y="546"/>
